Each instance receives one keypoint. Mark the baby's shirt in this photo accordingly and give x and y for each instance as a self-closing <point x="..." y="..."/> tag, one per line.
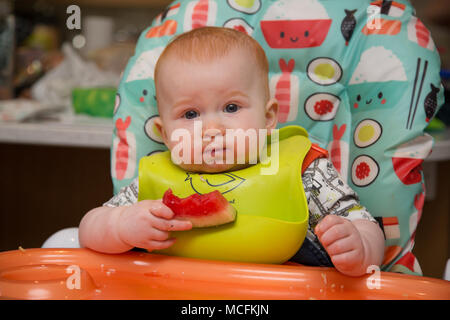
<point x="326" y="193"/>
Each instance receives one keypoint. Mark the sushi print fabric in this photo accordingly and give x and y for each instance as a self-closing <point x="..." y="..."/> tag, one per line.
<point x="362" y="77"/>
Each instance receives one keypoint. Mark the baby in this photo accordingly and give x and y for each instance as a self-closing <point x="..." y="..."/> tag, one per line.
<point x="219" y="76"/>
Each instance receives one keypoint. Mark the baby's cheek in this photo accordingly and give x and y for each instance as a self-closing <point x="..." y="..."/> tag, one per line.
<point x="247" y="149"/>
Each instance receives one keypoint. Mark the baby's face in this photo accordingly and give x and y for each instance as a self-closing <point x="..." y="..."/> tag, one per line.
<point x="209" y="102"/>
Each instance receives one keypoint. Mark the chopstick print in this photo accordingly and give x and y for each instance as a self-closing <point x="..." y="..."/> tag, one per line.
<point x="339" y="151"/>
<point x="124" y="151"/>
<point x="419" y="93"/>
<point x="414" y="91"/>
<point x="199" y="14"/>
<point x="412" y="115"/>
<point x="348" y="25"/>
<point x="286" y="89"/>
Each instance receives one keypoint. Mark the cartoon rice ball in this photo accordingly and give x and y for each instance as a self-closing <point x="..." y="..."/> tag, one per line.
<point x="377" y="64"/>
<point x="295" y="24"/>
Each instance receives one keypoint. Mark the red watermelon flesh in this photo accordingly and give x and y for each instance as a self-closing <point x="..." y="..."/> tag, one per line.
<point x="203" y="210"/>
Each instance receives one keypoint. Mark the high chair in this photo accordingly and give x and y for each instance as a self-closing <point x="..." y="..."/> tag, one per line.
<point x="362" y="77"/>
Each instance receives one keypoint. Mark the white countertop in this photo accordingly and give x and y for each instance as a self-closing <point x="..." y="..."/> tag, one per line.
<point x="77" y="132"/>
<point x="83" y="131"/>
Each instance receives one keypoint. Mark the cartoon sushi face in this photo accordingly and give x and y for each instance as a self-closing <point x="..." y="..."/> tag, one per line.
<point x="378" y="82"/>
<point x="290" y="24"/>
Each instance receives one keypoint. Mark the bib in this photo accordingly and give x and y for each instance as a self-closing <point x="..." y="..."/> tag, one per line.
<point x="272" y="211"/>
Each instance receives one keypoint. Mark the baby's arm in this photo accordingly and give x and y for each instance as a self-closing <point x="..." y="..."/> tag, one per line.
<point x="116" y="229"/>
<point x="346" y="230"/>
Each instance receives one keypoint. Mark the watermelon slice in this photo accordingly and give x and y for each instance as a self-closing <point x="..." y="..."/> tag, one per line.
<point x="203" y="210"/>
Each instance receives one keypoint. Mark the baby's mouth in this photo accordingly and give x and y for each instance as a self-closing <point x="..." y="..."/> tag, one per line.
<point x="219" y="152"/>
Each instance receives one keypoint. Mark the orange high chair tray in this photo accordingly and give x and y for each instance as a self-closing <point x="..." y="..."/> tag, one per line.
<point x="85" y="274"/>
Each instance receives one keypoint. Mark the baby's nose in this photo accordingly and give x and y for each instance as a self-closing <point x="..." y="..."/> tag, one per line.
<point x="213" y="127"/>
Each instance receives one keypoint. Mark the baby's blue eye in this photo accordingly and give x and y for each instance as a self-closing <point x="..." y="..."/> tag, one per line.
<point x="191" y="114"/>
<point x="231" y="108"/>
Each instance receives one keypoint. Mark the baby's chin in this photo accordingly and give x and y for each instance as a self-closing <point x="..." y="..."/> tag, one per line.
<point x="212" y="168"/>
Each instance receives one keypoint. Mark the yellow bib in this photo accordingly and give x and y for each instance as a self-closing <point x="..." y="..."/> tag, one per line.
<point x="272" y="212"/>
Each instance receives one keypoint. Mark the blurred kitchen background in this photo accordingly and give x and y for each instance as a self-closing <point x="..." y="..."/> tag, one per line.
<point x="54" y="145"/>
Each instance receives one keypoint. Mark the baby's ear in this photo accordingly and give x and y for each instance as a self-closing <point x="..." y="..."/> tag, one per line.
<point x="159" y="126"/>
<point x="271" y="114"/>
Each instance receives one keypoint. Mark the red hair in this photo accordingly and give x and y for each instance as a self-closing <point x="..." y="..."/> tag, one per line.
<point x="208" y="43"/>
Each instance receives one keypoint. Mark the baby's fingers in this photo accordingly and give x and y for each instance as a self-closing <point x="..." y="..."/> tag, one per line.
<point x="158" y="245"/>
<point x="326" y="223"/>
<point x="334" y="234"/>
<point x="341" y="246"/>
<point x="172" y="225"/>
<point x="160" y="210"/>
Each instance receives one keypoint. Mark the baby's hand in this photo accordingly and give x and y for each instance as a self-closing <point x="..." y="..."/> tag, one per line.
<point x="146" y="224"/>
<point x="343" y="242"/>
